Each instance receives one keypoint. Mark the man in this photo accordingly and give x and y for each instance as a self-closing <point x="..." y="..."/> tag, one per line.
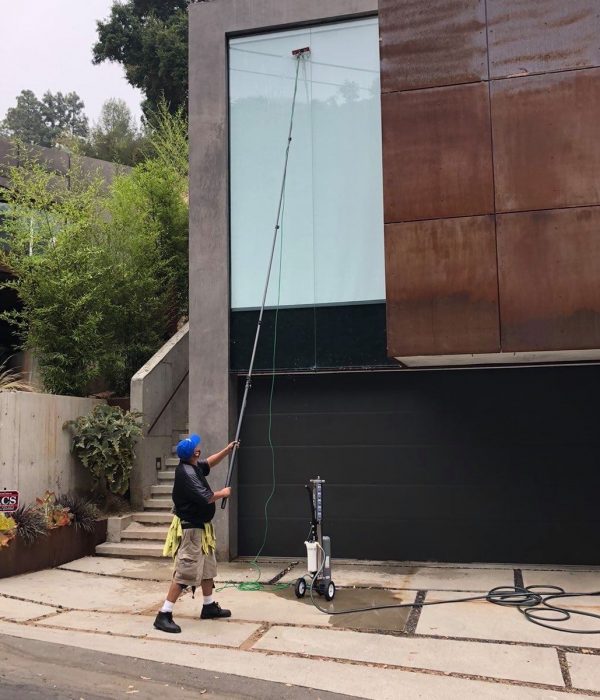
<point x="195" y="562"/>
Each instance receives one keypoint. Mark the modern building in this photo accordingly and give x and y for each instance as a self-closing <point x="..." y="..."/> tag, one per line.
<point x="432" y="331"/>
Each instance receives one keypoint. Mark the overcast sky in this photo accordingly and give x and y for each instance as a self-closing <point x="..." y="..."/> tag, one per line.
<point x="47" y="45"/>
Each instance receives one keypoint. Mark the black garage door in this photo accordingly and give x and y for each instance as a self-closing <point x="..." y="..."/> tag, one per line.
<point x="475" y="465"/>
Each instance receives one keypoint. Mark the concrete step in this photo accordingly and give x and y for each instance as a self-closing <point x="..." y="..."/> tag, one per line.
<point x="158" y="504"/>
<point x="156" y="517"/>
<point x="151" y="532"/>
<point x="166" y="475"/>
<point x="161" y="490"/>
<point x="171" y="462"/>
<point x="130" y="549"/>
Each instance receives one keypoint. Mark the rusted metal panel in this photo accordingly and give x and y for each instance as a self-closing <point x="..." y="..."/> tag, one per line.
<point x="440" y="42"/>
<point x="546" y="145"/>
<point x="549" y="263"/>
<point x="442" y="288"/>
<point x="437" y="154"/>
<point x="535" y="36"/>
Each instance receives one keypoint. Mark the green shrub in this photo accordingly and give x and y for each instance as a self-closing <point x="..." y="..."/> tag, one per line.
<point x="101" y="273"/>
<point x="103" y="441"/>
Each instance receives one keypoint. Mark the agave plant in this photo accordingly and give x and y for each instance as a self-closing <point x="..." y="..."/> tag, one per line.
<point x="12" y="381"/>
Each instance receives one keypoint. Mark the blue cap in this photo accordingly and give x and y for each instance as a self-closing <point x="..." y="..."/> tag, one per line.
<point x="185" y="448"/>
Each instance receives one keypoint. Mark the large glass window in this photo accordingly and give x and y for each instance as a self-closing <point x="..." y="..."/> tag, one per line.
<point x="332" y="229"/>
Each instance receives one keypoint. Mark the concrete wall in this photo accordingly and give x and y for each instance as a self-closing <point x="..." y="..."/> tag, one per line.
<point x="161" y="382"/>
<point x="35" y="451"/>
<point x="56" y="161"/>
<point x="213" y="401"/>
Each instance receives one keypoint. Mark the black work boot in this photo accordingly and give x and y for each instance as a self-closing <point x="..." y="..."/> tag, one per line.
<point x="164" y="623"/>
<point x="212" y="611"/>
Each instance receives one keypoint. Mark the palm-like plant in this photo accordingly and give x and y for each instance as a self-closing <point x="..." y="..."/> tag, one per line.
<point x="12" y="381"/>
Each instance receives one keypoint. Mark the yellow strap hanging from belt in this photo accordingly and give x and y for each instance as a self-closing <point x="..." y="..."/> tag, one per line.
<point x="209" y="542"/>
<point x="175" y="535"/>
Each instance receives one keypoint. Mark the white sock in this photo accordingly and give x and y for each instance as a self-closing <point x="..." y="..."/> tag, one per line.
<point x="167" y="606"/>
<point x="208" y="599"/>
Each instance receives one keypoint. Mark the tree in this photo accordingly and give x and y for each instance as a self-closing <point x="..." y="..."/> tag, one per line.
<point x="64" y="114"/>
<point x="42" y="122"/>
<point x="115" y="137"/>
<point x="150" y="39"/>
<point x="26" y="121"/>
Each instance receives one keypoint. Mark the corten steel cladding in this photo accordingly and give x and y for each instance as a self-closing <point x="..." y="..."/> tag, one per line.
<point x="549" y="264"/>
<point x="541" y="36"/>
<point x="546" y="145"/>
<point x="439" y="42"/>
<point x="437" y="153"/>
<point x="442" y="287"/>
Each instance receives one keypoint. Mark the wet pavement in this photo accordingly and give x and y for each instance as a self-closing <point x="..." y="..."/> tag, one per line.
<point x="465" y="650"/>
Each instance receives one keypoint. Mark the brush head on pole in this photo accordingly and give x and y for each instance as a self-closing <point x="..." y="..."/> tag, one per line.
<point x="305" y="51"/>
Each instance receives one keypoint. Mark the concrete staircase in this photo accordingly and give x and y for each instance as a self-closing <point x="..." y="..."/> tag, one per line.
<point x="143" y="534"/>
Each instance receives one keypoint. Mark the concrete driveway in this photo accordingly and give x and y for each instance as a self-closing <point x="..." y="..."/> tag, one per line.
<point x="465" y="650"/>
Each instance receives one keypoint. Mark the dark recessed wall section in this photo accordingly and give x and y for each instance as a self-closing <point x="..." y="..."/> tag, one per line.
<point x="470" y="465"/>
<point x="9" y="301"/>
<point x="308" y="338"/>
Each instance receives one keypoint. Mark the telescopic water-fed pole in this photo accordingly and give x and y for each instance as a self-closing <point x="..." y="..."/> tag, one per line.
<point x="299" y="55"/>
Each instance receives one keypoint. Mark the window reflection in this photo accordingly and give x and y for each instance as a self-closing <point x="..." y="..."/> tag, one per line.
<point x="333" y="219"/>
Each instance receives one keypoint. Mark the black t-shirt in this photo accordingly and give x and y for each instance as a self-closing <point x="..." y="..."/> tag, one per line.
<point x="191" y="494"/>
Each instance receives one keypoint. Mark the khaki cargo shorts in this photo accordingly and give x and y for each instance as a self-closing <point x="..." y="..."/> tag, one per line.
<point x="192" y="566"/>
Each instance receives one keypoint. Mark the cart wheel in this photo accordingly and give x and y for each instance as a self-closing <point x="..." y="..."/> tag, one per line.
<point x="300" y="588"/>
<point x="330" y="591"/>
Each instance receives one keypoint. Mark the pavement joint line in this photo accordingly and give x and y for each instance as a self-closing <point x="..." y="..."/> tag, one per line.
<point x="248" y="643"/>
<point x="519" y="583"/>
<point x="347" y="662"/>
<point x="236" y="582"/>
<point x="282" y="573"/>
<point x="100" y="573"/>
<point x="431" y="672"/>
<point x="429" y="565"/>
<point x="147" y="612"/>
<point x="37" y="602"/>
<point x="564" y="668"/>
<point x="160" y="580"/>
<point x="348" y="587"/>
<point x="410" y="627"/>
<point x="55" y="613"/>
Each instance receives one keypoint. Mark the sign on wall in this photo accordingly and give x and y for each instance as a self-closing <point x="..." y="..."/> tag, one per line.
<point x="9" y="501"/>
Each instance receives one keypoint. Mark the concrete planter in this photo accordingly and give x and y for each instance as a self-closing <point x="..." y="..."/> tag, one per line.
<point x="58" y="547"/>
